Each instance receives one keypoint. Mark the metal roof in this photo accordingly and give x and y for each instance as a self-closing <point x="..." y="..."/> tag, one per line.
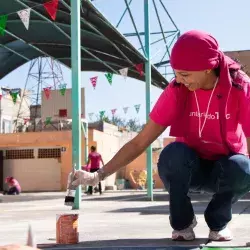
<point x="104" y="49"/>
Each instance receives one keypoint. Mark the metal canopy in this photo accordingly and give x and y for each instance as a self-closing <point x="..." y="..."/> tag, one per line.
<point x="103" y="48"/>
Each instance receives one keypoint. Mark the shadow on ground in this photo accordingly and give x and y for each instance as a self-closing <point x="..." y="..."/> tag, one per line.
<point x="200" y="202"/>
<point x="145" y="244"/>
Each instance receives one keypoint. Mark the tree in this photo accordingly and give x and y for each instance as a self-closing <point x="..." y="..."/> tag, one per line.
<point x="134" y="125"/>
<point x="131" y="124"/>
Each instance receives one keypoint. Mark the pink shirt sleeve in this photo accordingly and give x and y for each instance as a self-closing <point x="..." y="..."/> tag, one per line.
<point x="164" y="111"/>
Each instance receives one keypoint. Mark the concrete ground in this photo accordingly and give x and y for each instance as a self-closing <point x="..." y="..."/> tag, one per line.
<point x="115" y="219"/>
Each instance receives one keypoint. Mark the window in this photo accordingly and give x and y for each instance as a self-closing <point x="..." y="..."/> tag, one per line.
<point x="6" y="126"/>
<point x="49" y="153"/>
<point x="63" y="113"/>
<point x="19" y="154"/>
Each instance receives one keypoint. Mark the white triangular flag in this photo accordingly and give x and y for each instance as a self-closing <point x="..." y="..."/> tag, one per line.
<point x="124" y="72"/>
<point x="25" y="17"/>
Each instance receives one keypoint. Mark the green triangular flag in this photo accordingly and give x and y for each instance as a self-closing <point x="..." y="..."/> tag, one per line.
<point x="102" y="114"/>
<point x="14" y="96"/>
<point x="48" y="120"/>
<point x="3" y="21"/>
<point x="109" y="76"/>
<point x="62" y="89"/>
<point x="137" y="107"/>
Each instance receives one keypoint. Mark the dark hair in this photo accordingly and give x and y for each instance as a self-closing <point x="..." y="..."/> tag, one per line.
<point x="233" y="73"/>
<point x="93" y="148"/>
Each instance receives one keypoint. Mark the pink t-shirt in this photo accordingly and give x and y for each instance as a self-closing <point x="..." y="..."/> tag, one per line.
<point x="15" y="183"/>
<point x="95" y="159"/>
<point x="210" y="144"/>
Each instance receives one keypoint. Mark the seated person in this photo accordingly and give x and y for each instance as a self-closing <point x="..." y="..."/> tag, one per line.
<point x="14" y="186"/>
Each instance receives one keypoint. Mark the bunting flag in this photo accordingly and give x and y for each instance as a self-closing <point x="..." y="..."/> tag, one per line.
<point x="91" y="116"/>
<point x="124" y="72"/>
<point x="62" y="88"/>
<point x="94" y="81"/>
<point x="102" y="114"/>
<point x="139" y="68"/>
<point x="109" y="76"/>
<point x="17" y="90"/>
<point x="125" y="109"/>
<point x="3" y="21"/>
<point x="37" y="120"/>
<point x="137" y="108"/>
<point x="26" y="120"/>
<point x="48" y="120"/>
<point x="47" y="92"/>
<point x="51" y="8"/>
<point x="113" y="111"/>
<point x="14" y="96"/>
<point x="25" y="17"/>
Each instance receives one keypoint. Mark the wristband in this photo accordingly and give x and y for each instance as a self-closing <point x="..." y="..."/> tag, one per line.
<point x="101" y="174"/>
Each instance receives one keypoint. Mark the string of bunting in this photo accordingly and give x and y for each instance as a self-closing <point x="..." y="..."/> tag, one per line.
<point x="123" y="72"/>
<point x="24" y="14"/>
<point x="102" y="113"/>
<point x="62" y="90"/>
<point x="51" y="7"/>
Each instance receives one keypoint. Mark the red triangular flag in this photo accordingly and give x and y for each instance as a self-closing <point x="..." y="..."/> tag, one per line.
<point x="139" y="68"/>
<point x="26" y="120"/>
<point x="51" y="8"/>
<point x="47" y="92"/>
<point x="113" y="111"/>
<point x="94" y="81"/>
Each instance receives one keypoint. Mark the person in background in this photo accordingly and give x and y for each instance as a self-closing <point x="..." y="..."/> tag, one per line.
<point x="207" y="106"/>
<point x="14" y="186"/>
<point x="94" y="160"/>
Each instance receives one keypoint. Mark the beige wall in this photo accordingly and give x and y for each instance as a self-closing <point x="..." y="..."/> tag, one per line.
<point x="140" y="163"/>
<point x="50" y="107"/>
<point x="10" y="111"/>
<point x="45" y="139"/>
<point x="107" y="144"/>
<point x="32" y="173"/>
<point x="168" y="140"/>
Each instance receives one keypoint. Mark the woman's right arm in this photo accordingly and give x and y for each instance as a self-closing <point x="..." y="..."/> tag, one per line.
<point x="134" y="148"/>
<point x="162" y="116"/>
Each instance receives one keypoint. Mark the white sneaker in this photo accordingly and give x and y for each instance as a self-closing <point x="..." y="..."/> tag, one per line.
<point x="223" y="235"/>
<point x="185" y="234"/>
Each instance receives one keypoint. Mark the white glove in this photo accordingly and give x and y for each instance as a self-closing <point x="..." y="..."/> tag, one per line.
<point x="82" y="177"/>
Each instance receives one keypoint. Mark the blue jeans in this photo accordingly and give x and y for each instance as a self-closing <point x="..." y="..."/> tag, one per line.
<point x="181" y="170"/>
<point x="12" y="191"/>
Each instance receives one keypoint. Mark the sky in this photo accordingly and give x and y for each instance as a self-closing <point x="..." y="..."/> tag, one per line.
<point x="227" y="20"/>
